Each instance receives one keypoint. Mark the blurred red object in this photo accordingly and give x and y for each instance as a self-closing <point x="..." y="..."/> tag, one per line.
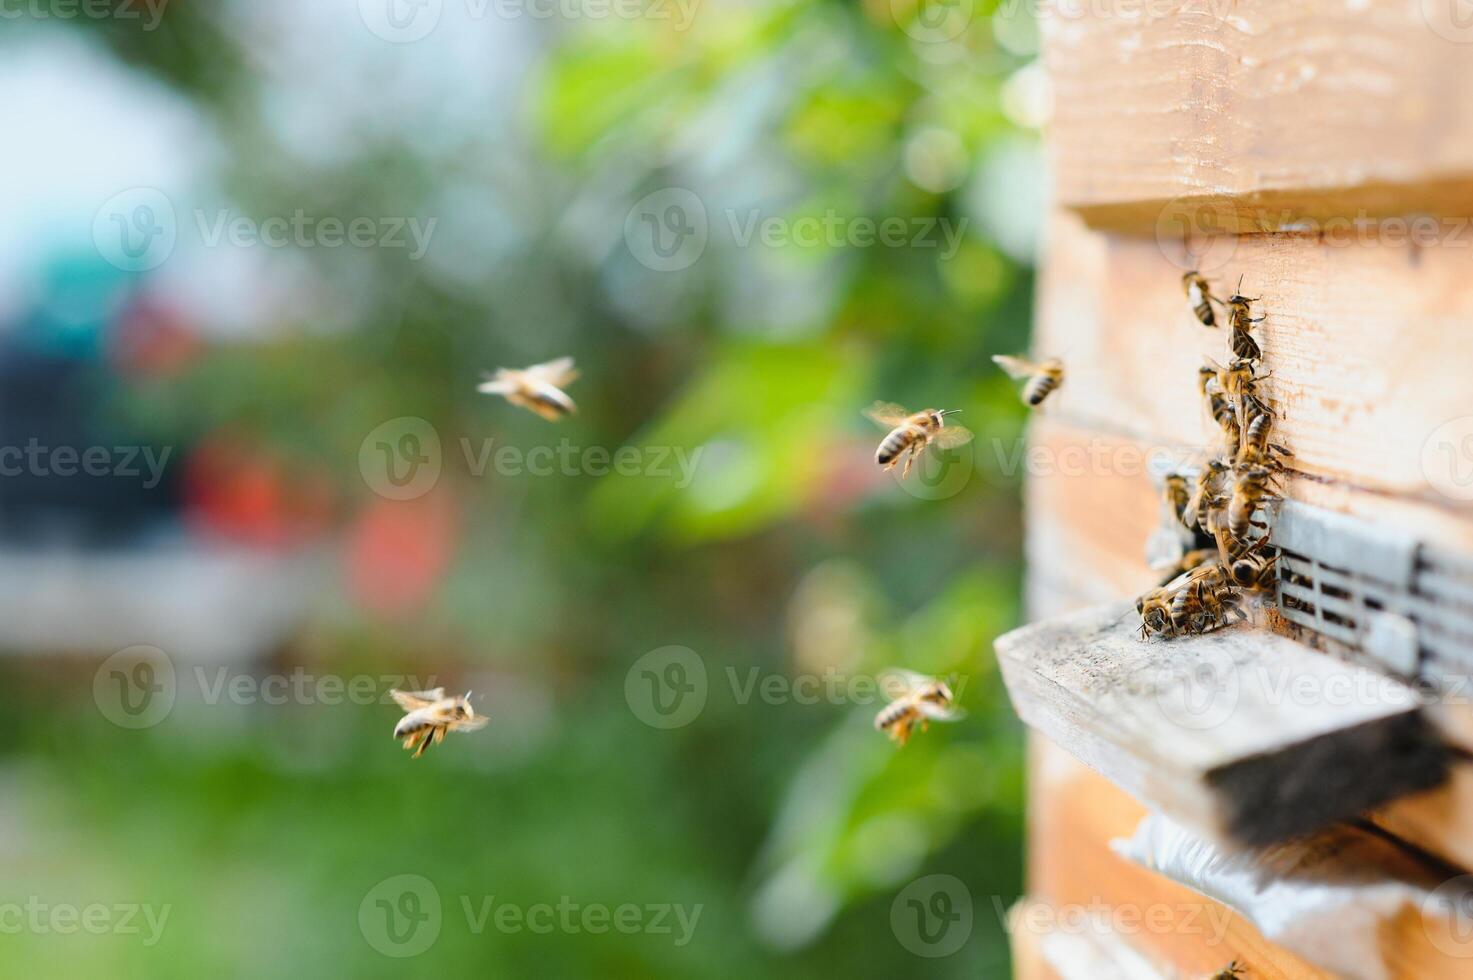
<point x="399" y="551"/>
<point x="153" y="339"/>
<point x="237" y="489"/>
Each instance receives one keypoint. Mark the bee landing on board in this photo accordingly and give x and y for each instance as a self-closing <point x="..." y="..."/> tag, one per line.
<point x="917" y="700"/>
<point x="911" y="432"/>
<point x="1199" y="294"/>
<point x="1042" y="376"/>
<point x="538" y="388"/>
<point x="1233" y="971"/>
<point x="430" y="714"/>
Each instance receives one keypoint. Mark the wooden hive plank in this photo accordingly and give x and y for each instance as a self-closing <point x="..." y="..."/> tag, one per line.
<point x="1262" y="110"/>
<point x="1237" y="732"/>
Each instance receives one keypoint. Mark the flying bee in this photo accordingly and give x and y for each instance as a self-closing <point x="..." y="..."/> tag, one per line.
<point x="538" y="388"/>
<point x="1042" y="376"/>
<point x="910" y="433"/>
<point x="1199" y="294"/>
<point x="1250" y="487"/>
<point x="1175" y="495"/>
<point x="1233" y="971"/>
<point x="430" y="714"/>
<point x="1210" y="485"/>
<point x="918" y="700"/>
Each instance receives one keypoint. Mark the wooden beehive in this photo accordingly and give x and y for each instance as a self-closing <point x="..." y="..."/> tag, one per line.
<point x="1324" y="152"/>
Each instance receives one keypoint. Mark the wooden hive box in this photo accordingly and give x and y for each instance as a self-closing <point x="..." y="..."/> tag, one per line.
<point x="1323" y="151"/>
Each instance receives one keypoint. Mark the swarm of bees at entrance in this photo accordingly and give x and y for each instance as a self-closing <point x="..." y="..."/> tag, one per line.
<point x="1211" y="546"/>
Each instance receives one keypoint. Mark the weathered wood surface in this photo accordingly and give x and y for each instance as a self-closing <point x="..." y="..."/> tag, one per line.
<point x="1265" y="111"/>
<point x="1369" y="351"/>
<point x="1074" y="814"/>
<point x="1243" y="734"/>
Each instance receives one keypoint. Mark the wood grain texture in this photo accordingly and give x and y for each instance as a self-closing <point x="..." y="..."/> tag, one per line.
<point x="1262" y="111"/>
<point x="1368" y="352"/>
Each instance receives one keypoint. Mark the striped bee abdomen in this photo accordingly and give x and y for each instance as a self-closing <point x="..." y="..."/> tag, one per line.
<point x="1038" y="388"/>
<point x="898" y="441"/>
<point x="890" y="714"/>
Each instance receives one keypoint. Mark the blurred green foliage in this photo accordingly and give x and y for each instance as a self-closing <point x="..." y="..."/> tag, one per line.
<point x="792" y="825"/>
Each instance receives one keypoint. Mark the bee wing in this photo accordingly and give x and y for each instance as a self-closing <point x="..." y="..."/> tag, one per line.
<point x="953" y="435"/>
<point x="499" y="383"/>
<point x="897" y="682"/>
<point x="1017" y="367"/>
<point x="887" y="414"/>
<point x="414" y="700"/>
<point x="936" y="712"/>
<point x="558" y="373"/>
